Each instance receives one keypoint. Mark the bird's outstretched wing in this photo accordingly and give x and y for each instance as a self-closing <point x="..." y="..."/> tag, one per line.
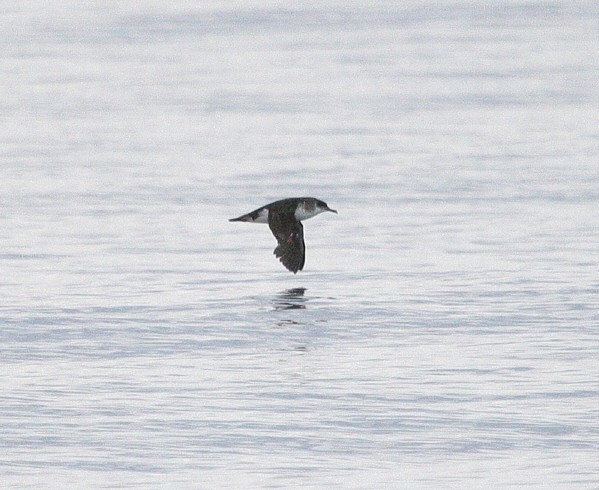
<point x="289" y="232"/>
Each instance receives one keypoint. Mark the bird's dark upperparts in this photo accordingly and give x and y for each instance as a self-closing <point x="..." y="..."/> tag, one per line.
<point x="284" y="219"/>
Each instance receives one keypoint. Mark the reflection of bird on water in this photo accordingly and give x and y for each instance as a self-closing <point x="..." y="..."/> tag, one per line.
<point x="290" y="299"/>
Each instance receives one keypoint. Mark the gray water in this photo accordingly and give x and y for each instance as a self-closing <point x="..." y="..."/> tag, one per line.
<point x="444" y="332"/>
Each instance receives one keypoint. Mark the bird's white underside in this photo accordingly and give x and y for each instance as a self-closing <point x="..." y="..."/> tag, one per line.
<point x="301" y="214"/>
<point x="262" y="217"/>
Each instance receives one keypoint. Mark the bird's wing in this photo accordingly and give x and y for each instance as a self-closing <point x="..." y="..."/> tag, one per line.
<point x="289" y="232"/>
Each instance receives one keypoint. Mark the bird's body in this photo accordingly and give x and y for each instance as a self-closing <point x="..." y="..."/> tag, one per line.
<point x="284" y="219"/>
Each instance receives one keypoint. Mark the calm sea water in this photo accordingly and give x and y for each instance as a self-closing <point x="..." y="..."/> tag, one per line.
<point x="444" y="332"/>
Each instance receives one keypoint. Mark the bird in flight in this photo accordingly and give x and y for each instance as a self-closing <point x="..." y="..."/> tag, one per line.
<point x="284" y="219"/>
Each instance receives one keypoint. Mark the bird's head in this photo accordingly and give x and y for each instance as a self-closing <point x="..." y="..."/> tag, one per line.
<point x="322" y="206"/>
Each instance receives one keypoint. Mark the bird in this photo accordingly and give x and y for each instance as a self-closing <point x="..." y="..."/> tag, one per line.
<point x="284" y="219"/>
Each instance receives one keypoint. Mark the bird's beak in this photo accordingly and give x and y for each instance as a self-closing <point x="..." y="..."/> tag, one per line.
<point x="332" y="210"/>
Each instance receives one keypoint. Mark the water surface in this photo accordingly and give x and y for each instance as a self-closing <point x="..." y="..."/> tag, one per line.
<point x="444" y="331"/>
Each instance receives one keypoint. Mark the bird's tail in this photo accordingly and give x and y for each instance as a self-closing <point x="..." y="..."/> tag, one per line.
<point x="245" y="217"/>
